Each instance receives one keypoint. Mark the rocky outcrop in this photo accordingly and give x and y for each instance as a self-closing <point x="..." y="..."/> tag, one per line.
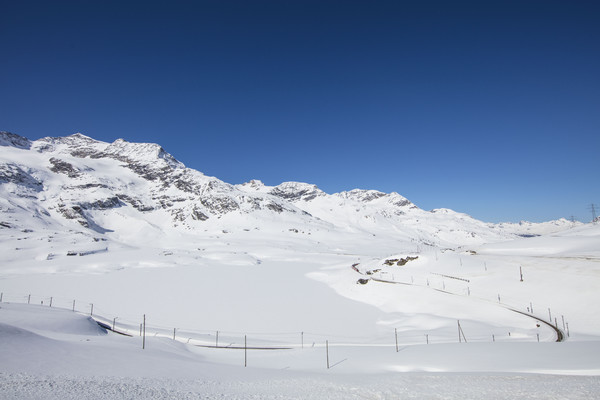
<point x="63" y="167"/>
<point x="12" y="173"/>
<point x="12" y="140"/>
<point x="296" y="191"/>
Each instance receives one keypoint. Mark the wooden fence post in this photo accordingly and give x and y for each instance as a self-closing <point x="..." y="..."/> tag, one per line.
<point x="521" y="272"/>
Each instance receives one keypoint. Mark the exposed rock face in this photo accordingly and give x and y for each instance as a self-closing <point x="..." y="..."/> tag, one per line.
<point x="295" y="191"/>
<point x="63" y="167"/>
<point x="12" y="140"/>
<point x="19" y="176"/>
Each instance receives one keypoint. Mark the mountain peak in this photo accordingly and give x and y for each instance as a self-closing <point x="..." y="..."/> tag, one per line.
<point x="367" y="196"/>
<point x="294" y="191"/>
<point x="254" y="184"/>
<point x="140" y="152"/>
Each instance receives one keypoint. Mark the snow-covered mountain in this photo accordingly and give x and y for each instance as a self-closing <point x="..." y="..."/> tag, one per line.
<point x="75" y="181"/>
<point x="123" y="231"/>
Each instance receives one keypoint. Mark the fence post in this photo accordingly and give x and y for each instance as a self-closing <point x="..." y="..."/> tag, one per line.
<point x="29" y="299"/>
<point x="1" y="295"/>
<point x="51" y="301"/>
<point x="114" y="320"/>
<point x="73" y="305"/>
<point x="521" y="272"/>
<point x="144" y="335"/>
<point x="217" y="340"/>
<point x="302" y="338"/>
<point x="396" y="334"/>
<point x="174" y="333"/>
<point x="327" y="349"/>
<point x="92" y="310"/>
<point x="427" y="338"/>
<point x="245" y="352"/>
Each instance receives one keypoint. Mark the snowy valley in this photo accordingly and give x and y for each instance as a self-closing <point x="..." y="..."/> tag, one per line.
<point x="255" y="291"/>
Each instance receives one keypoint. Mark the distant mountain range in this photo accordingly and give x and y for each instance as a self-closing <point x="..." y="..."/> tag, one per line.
<point x="78" y="183"/>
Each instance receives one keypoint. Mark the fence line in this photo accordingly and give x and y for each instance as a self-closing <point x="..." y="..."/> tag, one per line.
<point x="263" y="340"/>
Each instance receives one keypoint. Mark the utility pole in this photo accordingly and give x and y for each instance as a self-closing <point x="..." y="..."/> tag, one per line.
<point x="592" y="207"/>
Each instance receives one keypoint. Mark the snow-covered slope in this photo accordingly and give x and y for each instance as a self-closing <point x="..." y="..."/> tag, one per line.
<point x="57" y="354"/>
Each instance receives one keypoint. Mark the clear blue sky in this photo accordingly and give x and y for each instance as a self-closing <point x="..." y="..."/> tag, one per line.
<point x="487" y="107"/>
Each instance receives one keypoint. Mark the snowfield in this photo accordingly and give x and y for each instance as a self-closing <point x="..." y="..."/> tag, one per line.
<point x="249" y="291"/>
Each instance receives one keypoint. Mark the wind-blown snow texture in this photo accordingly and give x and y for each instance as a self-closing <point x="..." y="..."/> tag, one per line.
<point x="123" y="229"/>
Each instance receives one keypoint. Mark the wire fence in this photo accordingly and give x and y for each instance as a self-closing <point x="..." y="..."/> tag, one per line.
<point x="392" y="338"/>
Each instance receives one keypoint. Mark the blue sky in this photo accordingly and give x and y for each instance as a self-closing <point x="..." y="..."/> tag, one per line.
<point x="487" y="107"/>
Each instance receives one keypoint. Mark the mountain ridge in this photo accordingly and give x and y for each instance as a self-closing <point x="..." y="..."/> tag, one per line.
<point x="80" y="179"/>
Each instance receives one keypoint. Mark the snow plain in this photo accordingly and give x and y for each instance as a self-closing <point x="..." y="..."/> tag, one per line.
<point x="300" y="300"/>
<point x="288" y="282"/>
